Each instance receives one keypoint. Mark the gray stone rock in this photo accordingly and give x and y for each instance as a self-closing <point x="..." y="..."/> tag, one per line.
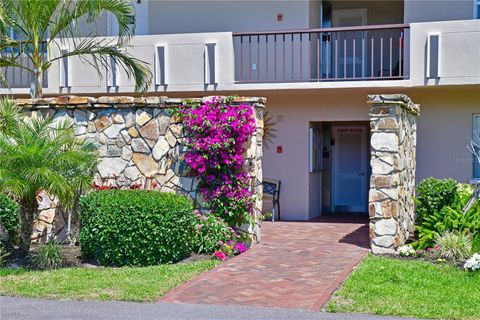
<point x="145" y="164"/>
<point x="382" y="165"/>
<point x="113" y="151"/>
<point x="132" y="173"/>
<point x="139" y="145"/>
<point x="381" y="250"/>
<point x="117" y="118"/>
<point x="80" y="117"/>
<point x="160" y="149"/>
<point x="382" y="141"/>
<point x="385" y="227"/>
<point x="126" y="136"/>
<point x="171" y="139"/>
<point x="127" y="153"/>
<point x="129" y="118"/>
<point x="163" y="123"/>
<point x="142" y="117"/>
<point x="111" y="167"/>
<point x="113" y="131"/>
<point x="79" y="130"/>
<point x="102" y="138"/>
<point x="383" y="241"/>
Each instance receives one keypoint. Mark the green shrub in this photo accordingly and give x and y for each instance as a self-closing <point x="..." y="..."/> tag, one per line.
<point x="433" y="195"/>
<point x="46" y="256"/>
<point x="210" y="230"/>
<point x="9" y="215"/>
<point x="449" y="219"/>
<point x="454" y="246"/>
<point x="136" y="227"/>
<point x="465" y="192"/>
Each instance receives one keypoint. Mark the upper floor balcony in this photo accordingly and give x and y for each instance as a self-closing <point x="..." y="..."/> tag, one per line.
<point x="400" y="55"/>
<point x="329" y="54"/>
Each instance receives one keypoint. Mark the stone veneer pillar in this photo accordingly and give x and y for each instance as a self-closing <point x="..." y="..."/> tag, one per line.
<point x="393" y="122"/>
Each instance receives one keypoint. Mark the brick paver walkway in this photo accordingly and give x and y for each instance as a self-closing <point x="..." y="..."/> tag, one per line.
<point x="297" y="265"/>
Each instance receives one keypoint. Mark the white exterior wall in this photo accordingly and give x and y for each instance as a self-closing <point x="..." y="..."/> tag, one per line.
<point x="293" y="111"/>
<point x="444" y="126"/>
<point x="437" y="10"/>
<point x="226" y="15"/>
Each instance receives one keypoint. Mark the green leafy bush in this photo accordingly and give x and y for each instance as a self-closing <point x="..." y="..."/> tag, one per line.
<point x="454" y="246"/>
<point x="136" y="227"/>
<point x="47" y="256"/>
<point x="9" y="215"/>
<point x="433" y="195"/>
<point x="449" y="219"/>
<point x="211" y="230"/>
<point x="465" y="192"/>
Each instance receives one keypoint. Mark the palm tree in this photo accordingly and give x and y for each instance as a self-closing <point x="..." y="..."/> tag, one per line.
<point x="39" y="153"/>
<point x="43" y="24"/>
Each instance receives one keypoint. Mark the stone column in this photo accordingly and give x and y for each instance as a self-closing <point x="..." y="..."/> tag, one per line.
<point x="393" y="122"/>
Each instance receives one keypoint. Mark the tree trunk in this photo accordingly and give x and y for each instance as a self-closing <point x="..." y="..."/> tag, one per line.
<point x="28" y="212"/>
<point x="36" y="87"/>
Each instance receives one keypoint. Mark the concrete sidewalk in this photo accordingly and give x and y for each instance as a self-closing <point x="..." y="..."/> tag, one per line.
<point x="14" y="308"/>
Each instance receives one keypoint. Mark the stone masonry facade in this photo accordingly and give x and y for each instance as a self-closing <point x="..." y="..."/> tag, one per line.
<point x="393" y="122"/>
<point x="141" y="142"/>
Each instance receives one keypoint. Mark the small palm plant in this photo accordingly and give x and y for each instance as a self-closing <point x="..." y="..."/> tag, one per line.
<point x="39" y="153"/>
<point x="44" y="24"/>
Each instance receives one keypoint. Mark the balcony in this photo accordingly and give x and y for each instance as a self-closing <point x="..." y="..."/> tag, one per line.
<point x="333" y="54"/>
<point x="351" y="57"/>
<point x="17" y="77"/>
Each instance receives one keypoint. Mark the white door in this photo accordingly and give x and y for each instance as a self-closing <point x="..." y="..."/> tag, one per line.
<point x="349" y="60"/>
<point x="349" y="178"/>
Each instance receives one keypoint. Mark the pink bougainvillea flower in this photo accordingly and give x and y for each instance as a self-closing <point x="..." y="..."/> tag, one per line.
<point x="220" y="255"/>
<point x="199" y="226"/>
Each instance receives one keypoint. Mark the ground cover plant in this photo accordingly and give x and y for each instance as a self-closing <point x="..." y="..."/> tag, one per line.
<point x="126" y="284"/>
<point x="410" y="288"/>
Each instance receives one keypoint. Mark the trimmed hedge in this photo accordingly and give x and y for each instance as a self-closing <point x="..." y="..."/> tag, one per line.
<point x="136" y="227"/>
<point x="9" y="215"/>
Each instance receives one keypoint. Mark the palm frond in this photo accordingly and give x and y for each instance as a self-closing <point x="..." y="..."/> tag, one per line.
<point x="101" y="50"/>
<point x="8" y="116"/>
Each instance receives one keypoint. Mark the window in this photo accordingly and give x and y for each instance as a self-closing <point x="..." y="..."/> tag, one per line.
<point x="477" y="9"/>
<point x="476" y="145"/>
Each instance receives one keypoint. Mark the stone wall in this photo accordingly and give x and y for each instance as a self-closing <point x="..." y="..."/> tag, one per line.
<point x="393" y="121"/>
<point x="141" y="142"/>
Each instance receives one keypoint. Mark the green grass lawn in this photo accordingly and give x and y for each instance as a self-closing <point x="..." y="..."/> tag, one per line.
<point x="127" y="284"/>
<point x="411" y="288"/>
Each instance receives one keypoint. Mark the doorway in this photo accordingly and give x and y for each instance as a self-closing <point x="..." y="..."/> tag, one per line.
<point x="339" y="167"/>
<point x="349" y="168"/>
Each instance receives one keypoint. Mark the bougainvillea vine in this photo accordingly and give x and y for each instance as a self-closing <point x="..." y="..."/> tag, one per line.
<point x="217" y="138"/>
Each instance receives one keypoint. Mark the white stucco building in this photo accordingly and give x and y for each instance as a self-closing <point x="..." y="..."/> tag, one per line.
<point x="315" y="62"/>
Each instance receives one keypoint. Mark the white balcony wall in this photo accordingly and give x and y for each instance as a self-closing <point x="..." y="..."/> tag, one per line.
<point x="184" y="66"/>
<point x="459" y="52"/>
